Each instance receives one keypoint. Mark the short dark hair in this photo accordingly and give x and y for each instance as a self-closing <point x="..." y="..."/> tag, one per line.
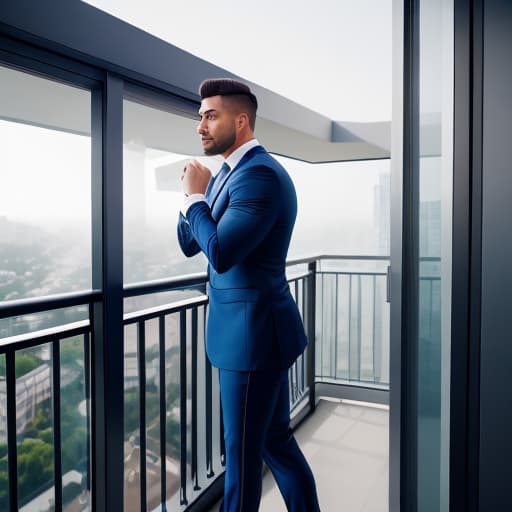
<point x="239" y="91"/>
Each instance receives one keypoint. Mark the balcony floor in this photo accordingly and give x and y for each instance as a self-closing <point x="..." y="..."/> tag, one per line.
<point x="346" y="444"/>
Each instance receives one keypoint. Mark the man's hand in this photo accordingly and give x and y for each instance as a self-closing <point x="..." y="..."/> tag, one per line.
<point x="195" y="178"/>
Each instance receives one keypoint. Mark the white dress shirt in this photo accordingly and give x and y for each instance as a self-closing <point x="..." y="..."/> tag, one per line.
<point x="232" y="160"/>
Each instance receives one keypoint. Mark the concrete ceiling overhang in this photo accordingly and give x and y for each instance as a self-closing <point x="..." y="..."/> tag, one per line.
<point x="76" y="29"/>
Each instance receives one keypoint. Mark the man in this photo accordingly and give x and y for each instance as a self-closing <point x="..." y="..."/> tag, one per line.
<point x="242" y="220"/>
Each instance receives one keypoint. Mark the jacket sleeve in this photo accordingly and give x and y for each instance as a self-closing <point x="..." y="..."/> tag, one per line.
<point x="186" y="239"/>
<point x="249" y="216"/>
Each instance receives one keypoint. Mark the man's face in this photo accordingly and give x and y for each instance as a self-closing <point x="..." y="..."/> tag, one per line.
<point x="217" y="127"/>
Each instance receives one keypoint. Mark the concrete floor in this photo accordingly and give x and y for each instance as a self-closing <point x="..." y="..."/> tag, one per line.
<point x="346" y="444"/>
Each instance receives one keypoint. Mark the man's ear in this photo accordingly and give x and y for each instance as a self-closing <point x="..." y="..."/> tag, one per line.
<point x="243" y="120"/>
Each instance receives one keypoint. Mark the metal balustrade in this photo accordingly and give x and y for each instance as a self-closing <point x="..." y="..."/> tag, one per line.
<point x="353" y="335"/>
<point x="46" y="411"/>
<point x="173" y="442"/>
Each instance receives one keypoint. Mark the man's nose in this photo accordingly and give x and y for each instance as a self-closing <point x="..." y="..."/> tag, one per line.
<point x="201" y="127"/>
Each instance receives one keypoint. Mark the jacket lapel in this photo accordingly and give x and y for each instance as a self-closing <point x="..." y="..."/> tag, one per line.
<point x="244" y="160"/>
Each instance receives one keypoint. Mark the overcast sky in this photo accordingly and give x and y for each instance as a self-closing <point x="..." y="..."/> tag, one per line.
<point x="334" y="58"/>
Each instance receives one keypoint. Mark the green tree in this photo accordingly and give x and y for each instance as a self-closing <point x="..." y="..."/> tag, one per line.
<point x="172" y="431"/>
<point x="131" y="411"/>
<point x="72" y="352"/>
<point x="4" y="480"/>
<point x="25" y="363"/>
<point x="41" y="422"/>
<point x="35" y="466"/>
<point x="74" y="449"/>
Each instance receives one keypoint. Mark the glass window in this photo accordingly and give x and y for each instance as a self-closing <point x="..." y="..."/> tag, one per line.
<point x="45" y="191"/>
<point x="156" y="145"/>
<point x="343" y="207"/>
<point x="435" y="239"/>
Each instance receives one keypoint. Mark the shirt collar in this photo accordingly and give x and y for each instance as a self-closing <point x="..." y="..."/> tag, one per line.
<point x="234" y="158"/>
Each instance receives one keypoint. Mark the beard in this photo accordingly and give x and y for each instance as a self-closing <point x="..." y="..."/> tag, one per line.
<point x="220" y="146"/>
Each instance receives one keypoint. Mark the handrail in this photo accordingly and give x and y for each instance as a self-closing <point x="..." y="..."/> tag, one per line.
<point x="167" y="309"/>
<point x="165" y="285"/>
<point x="345" y="257"/>
<point x="30" y="339"/>
<point x="47" y="303"/>
<point x="198" y="280"/>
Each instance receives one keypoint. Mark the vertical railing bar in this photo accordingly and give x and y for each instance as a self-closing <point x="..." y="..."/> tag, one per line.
<point x="350" y="327"/>
<point x="290" y="386"/>
<point x="300" y="287"/>
<point x="12" y="448"/>
<point x="141" y="338"/>
<point x="194" y="474"/>
<point x="304" y="287"/>
<point x="296" y="383"/>
<point x="311" y="326"/>
<point x="336" y="305"/>
<point x="303" y="371"/>
<point x="87" y="393"/>
<point x="332" y="351"/>
<point x="291" y="378"/>
<point x="208" y="413"/>
<point x="163" y="415"/>
<point x="57" y="454"/>
<point x="431" y="308"/>
<point x="374" y="330"/>
<point x="183" y="407"/>
<point x="359" y="324"/>
<point x="324" y="323"/>
<point x="304" y="316"/>
<point x="222" y="442"/>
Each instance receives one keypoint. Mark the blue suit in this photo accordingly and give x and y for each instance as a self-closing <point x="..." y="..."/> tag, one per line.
<point x="254" y="330"/>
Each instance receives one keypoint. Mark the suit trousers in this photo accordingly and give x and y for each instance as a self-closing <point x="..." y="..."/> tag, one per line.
<point x="256" y="416"/>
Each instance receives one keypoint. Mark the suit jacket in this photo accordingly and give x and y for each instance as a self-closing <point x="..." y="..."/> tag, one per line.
<point x="253" y="320"/>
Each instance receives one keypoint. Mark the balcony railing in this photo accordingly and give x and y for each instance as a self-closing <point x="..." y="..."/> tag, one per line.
<point x="172" y="410"/>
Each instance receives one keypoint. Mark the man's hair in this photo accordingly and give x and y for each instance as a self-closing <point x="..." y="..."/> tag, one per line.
<point x="238" y="91"/>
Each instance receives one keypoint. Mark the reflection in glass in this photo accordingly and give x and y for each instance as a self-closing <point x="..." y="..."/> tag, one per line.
<point x="156" y="145"/>
<point x="434" y="265"/>
<point x="34" y="427"/>
<point x="45" y="187"/>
